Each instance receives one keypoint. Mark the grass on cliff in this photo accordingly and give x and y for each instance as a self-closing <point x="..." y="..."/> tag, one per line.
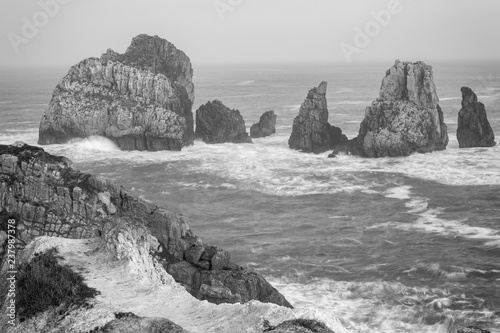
<point x="43" y="283"/>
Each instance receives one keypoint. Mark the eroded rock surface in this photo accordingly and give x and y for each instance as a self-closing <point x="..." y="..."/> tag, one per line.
<point x="474" y="129"/>
<point x="142" y="99"/>
<point x="47" y="196"/>
<point x="311" y="130"/>
<point x="406" y="118"/>
<point x="265" y="127"/>
<point x="216" y="123"/>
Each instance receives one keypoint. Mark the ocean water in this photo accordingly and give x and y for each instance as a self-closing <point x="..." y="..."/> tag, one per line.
<point x="386" y="245"/>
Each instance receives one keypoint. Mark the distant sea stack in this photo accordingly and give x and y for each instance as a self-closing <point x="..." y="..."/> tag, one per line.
<point x="265" y="127"/>
<point x="311" y="131"/>
<point x="473" y="130"/>
<point x="216" y="123"/>
<point x="142" y="99"/>
<point x="406" y="118"/>
<point x="46" y="196"/>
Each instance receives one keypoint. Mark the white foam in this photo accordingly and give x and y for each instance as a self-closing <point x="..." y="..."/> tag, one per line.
<point x="95" y="143"/>
<point x="400" y="192"/>
<point x="379" y="306"/>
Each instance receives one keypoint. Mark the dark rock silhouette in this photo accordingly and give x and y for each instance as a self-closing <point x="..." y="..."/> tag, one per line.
<point x="142" y="99"/>
<point x="473" y="130"/>
<point x="311" y="131"/>
<point x="216" y="123"/>
<point x="265" y="127"/>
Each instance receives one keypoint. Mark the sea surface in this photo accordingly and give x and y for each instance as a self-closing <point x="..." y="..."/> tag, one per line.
<point x="407" y="244"/>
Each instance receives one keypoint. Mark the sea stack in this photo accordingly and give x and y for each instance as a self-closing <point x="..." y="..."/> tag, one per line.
<point x="216" y="123"/>
<point x="473" y="130"/>
<point x="265" y="127"/>
<point x="311" y="131"/>
<point x="405" y="119"/>
<point x="141" y="100"/>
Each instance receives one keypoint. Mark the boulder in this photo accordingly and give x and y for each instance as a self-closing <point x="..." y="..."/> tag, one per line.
<point x="473" y="130"/>
<point x="298" y="326"/>
<point x="311" y="131"/>
<point x="46" y="196"/>
<point x="142" y="99"/>
<point x="406" y="118"/>
<point x="265" y="127"/>
<point x="216" y="123"/>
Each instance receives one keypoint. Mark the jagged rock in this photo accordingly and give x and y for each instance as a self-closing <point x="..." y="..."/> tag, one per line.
<point x="473" y="130"/>
<point x="265" y="127"/>
<point x="299" y="326"/>
<point x="142" y="99"/>
<point x="135" y="324"/>
<point x="216" y="123"/>
<point x="472" y="329"/>
<point x="405" y="119"/>
<point x="49" y="197"/>
<point x="311" y="131"/>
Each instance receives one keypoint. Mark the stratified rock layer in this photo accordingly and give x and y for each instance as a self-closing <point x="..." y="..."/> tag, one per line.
<point x="474" y="129"/>
<point x="311" y="131"/>
<point x="216" y="123"/>
<point x="265" y="127"/>
<point x="47" y="196"/>
<point x="142" y="99"/>
<point x="405" y="119"/>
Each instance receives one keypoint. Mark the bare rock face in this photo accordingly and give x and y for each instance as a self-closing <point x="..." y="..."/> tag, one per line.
<point x="311" y="131"/>
<point x="47" y="196"/>
<point x="216" y="123"/>
<point x="474" y="129"/>
<point x="299" y="326"/>
<point x="405" y="119"/>
<point x="265" y="127"/>
<point x="142" y="99"/>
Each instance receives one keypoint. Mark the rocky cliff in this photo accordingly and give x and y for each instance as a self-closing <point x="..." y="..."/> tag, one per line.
<point x="216" y="123"/>
<point x="142" y="99"/>
<point x="49" y="197"/>
<point x="311" y="131"/>
<point x="406" y="118"/>
<point x="474" y="129"/>
<point x="265" y="127"/>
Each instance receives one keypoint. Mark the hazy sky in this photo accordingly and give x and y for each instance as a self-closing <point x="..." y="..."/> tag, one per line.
<point x="37" y="32"/>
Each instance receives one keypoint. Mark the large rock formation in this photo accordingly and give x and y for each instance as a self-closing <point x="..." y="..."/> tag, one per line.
<point x="473" y="130"/>
<point x="216" y="123"/>
<point x="311" y="131"/>
<point x="265" y="127"/>
<point x="406" y="118"/>
<point x="141" y="99"/>
<point x="47" y="196"/>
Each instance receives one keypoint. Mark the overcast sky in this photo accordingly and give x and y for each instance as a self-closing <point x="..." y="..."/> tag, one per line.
<point x="252" y="30"/>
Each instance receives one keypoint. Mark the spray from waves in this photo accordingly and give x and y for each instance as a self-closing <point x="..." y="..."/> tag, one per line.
<point x="381" y="306"/>
<point x="94" y="143"/>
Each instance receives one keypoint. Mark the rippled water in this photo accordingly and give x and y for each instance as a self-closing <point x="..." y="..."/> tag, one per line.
<point x="386" y="245"/>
